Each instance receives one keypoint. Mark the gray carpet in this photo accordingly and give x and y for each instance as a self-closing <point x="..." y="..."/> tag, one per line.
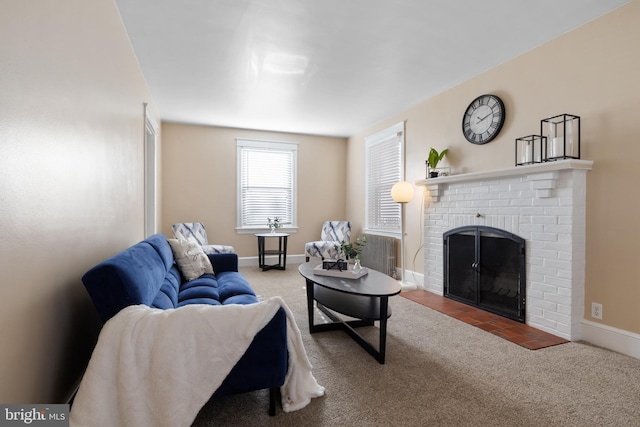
<point x="442" y="372"/>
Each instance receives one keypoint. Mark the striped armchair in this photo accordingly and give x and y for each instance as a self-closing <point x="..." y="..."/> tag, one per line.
<point x="333" y="232"/>
<point x="195" y="232"/>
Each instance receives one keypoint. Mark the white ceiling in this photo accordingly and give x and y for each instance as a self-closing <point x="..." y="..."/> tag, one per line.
<point x="328" y="67"/>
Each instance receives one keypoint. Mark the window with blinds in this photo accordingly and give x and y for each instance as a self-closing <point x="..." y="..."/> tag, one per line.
<point x="384" y="167"/>
<point x="266" y="183"/>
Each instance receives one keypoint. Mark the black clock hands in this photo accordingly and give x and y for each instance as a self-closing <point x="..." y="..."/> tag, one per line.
<point x="481" y="119"/>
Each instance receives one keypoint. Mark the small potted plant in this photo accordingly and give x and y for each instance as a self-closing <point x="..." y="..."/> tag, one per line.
<point x="433" y="160"/>
<point x="273" y="224"/>
<point x="353" y="250"/>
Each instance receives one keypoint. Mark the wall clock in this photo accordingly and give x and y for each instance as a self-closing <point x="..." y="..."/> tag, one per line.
<point x="483" y="119"/>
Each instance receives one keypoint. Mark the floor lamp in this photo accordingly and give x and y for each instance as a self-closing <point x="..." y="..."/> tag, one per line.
<point x="402" y="192"/>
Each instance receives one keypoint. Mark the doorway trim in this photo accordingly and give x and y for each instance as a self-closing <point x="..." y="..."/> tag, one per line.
<point x="150" y="173"/>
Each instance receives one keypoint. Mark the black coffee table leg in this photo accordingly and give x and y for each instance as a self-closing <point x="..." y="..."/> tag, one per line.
<point x="348" y="326"/>
<point x="310" y="305"/>
<point x="384" y="308"/>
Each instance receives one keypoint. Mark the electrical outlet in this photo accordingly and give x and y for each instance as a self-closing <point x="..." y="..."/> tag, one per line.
<point x="596" y="310"/>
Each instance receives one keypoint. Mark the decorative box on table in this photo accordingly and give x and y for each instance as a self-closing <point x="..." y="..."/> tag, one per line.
<point x="333" y="264"/>
<point x="348" y="273"/>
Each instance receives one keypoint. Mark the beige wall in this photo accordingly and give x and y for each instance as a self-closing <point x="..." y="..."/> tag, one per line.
<point x="71" y="182"/>
<point x="199" y="182"/>
<point x="591" y="72"/>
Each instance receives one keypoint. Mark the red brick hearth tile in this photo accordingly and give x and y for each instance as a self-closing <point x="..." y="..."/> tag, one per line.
<point x="486" y="317"/>
<point x="486" y="327"/>
<point x="470" y="320"/>
<point x="520" y="340"/>
<point x="522" y="329"/>
<point x="505" y="333"/>
<point x="502" y="323"/>
<point x="515" y="332"/>
<point x="531" y="345"/>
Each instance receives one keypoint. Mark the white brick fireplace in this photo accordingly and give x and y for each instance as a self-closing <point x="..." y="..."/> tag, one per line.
<point x="545" y="205"/>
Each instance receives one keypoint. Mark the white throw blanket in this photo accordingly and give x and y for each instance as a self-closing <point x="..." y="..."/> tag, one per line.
<point x="156" y="367"/>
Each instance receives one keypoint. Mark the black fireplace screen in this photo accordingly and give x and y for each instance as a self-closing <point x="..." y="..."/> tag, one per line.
<point x="485" y="267"/>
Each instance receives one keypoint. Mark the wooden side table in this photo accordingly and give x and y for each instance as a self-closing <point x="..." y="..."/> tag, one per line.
<point x="281" y="251"/>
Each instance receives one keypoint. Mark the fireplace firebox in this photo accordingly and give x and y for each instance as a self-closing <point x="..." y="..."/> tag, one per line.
<point x="485" y="267"/>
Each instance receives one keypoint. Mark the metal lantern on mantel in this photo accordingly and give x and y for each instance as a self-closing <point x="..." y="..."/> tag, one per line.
<point x="530" y="150"/>
<point x="563" y="137"/>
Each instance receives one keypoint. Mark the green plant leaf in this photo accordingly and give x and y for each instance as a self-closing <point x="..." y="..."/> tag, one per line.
<point x="435" y="157"/>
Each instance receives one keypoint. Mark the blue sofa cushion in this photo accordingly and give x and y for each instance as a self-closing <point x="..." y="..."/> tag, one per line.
<point x="232" y="284"/>
<point x="161" y="245"/>
<point x="131" y="277"/>
<point x="223" y="262"/>
<point x="168" y="295"/>
<point x="228" y="287"/>
<point x="203" y="290"/>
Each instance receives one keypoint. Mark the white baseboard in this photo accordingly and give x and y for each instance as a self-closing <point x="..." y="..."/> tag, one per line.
<point x="615" y="339"/>
<point x="412" y="278"/>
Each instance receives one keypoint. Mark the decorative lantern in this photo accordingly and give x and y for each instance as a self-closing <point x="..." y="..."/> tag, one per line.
<point x="563" y="137"/>
<point x="530" y="149"/>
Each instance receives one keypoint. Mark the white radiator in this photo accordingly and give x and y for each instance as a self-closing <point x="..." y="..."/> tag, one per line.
<point x="379" y="253"/>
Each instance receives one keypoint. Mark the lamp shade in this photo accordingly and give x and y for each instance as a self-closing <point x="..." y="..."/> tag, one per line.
<point x="402" y="192"/>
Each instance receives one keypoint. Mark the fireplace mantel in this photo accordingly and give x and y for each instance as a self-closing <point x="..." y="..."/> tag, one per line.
<point x="512" y="171"/>
<point x="545" y="204"/>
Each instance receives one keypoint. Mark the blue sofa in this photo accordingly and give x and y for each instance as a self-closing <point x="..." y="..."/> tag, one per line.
<point x="146" y="274"/>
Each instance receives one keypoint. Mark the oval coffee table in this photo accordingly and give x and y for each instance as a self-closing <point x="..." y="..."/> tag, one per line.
<point x="365" y="299"/>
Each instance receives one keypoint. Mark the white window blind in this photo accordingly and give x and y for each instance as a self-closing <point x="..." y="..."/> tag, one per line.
<point x="384" y="167"/>
<point x="266" y="183"/>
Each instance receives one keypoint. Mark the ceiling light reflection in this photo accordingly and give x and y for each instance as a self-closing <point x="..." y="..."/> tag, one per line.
<point x="285" y="63"/>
